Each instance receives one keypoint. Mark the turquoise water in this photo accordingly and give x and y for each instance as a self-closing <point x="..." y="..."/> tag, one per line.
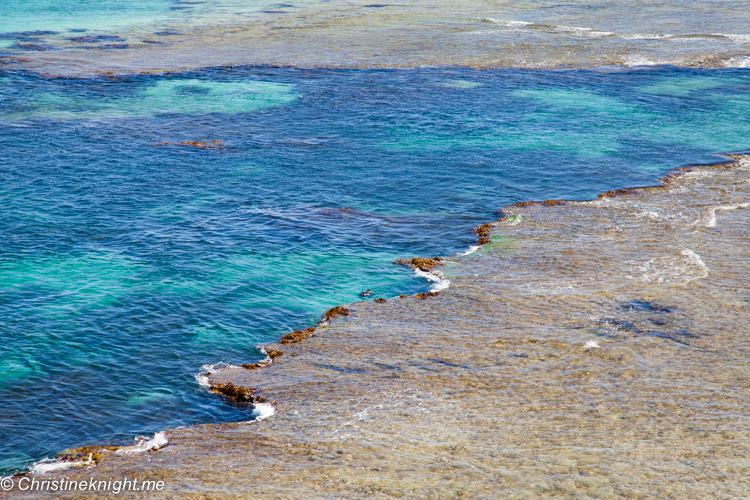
<point x="25" y="18"/>
<point x="127" y="263"/>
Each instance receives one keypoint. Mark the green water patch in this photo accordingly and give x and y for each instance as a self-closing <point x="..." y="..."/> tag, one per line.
<point x="461" y="84"/>
<point x="500" y="243"/>
<point x="159" y="394"/>
<point x="202" y="96"/>
<point x="55" y="15"/>
<point x="15" y="368"/>
<point x="176" y="96"/>
<point x="309" y="281"/>
<point x="591" y="102"/>
<point x="76" y="282"/>
<point x="683" y="86"/>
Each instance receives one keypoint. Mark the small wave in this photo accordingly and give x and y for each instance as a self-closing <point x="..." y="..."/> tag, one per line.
<point x="158" y="441"/>
<point x="581" y="30"/>
<point x="675" y="270"/>
<point x="47" y="465"/>
<point x="590" y="344"/>
<point x="711" y="219"/>
<point x="441" y="282"/>
<point x="202" y="376"/>
<point x="505" y="23"/>
<point x="640" y="60"/>
<point x="738" y="62"/>
<point x="262" y="411"/>
<point x="734" y="38"/>
<point x="696" y="260"/>
<point x="471" y="250"/>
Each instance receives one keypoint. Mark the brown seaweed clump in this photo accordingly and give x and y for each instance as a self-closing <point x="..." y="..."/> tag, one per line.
<point x="525" y="203"/>
<point x="616" y="192"/>
<point x="244" y="395"/>
<point x="403" y="296"/>
<point x="484" y="232"/>
<point x="253" y="366"/>
<point x="95" y="453"/>
<point x="196" y="144"/>
<point x="297" y="336"/>
<point x="380" y="301"/>
<point x="335" y="312"/>
<point x="552" y="203"/>
<point x="274" y="353"/>
<point x="421" y="263"/>
<point x="422" y="296"/>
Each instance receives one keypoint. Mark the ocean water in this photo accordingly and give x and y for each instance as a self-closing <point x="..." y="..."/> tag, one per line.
<point x="131" y="256"/>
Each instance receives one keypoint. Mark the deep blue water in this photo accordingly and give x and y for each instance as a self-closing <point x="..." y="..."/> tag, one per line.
<point x="125" y="266"/>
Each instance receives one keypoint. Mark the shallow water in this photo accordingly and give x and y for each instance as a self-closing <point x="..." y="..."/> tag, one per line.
<point x="131" y="257"/>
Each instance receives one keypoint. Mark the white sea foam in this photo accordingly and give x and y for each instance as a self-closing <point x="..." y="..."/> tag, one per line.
<point x="202" y="376"/>
<point x="711" y="218"/>
<point x="645" y="36"/>
<point x="649" y="214"/>
<point x="262" y="411"/>
<point x="47" y="465"/>
<point x="738" y="62"/>
<point x="441" y="282"/>
<point x="471" y="250"/>
<point x="684" y="269"/>
<point x="696" y="260"/>
<point x="641" y="61"/>
<point x="591" y="344"/>
<point x="734" y="38"/>
<point x="158" y="441"/>
<point x="505" y="23"/>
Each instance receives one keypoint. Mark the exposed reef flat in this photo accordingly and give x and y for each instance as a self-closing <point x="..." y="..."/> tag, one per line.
<point x="540" y="34"/>
<point x="589" y="350"/>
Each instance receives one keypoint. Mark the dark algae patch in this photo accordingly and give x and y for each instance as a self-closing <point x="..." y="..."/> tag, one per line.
<point x="297" y="336"/>
<point x="484" y="231"/>
<point x="236" y="393"/>
<point x="94" y="453"/>
<point x="335" y="312"/>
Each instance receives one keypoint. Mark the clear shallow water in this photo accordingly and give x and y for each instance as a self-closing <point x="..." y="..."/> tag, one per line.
<point x="125" y="265"/>
<point x="76" y="16"/>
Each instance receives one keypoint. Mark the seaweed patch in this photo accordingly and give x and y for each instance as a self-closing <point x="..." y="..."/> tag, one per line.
<point x="195" y="144"/>
<point x="380" y="301"/>
<point x="86" y="453"/>
<point x="425" y="264"/>
<point x="335" y="312"/>
<point x="243" y="395"/>
<point x="616" y="192"/>
<point x="552" y="203"/>
<point x="422" y="296"/>
<point x="297" y="336"/>
<point x="484" y="232"/>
